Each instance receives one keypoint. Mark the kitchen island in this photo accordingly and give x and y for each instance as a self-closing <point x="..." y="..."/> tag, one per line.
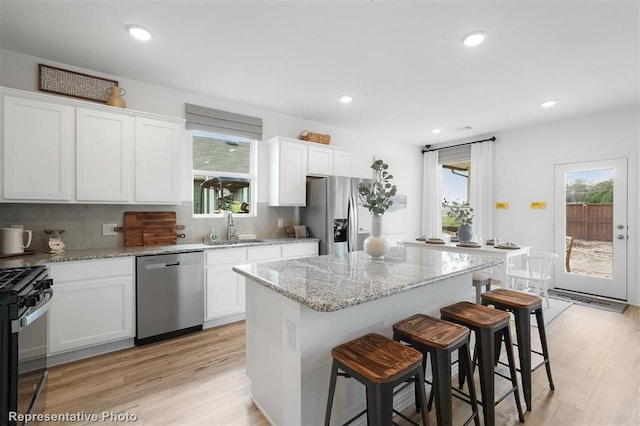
<point x="297" y="310"/>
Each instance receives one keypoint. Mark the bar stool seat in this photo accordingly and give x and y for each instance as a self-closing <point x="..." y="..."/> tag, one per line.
<point x="487" y="323"/>
<point x="523" y="305"/>
<point x="380" y="364"/>
<point x="481" y="279"/>
<point x="440" y="339"/>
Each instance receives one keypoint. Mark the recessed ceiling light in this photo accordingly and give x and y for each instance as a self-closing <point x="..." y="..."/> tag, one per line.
<point x="473" y="39"/>
<point x="436" y="131"/>
<point x="139" y="33"/>
<point x="345" y="99"/>
<point x="548" y="104"/>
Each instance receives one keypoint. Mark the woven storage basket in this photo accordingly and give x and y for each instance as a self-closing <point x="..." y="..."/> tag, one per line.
<point x="315" y="137"/>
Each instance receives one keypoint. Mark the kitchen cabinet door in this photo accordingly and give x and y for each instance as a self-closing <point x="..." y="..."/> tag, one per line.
<point x="343" y="163"/>
<point x="157" y="164"/>
<point x="104" y="153"/>
<point x="288" y="171"/>
<point x="92" y="303"/>
<point x="224" y="289"/>
<point x="300" y="250"/>
<point x="320" y="160"/>
<point x="38" y="141"/>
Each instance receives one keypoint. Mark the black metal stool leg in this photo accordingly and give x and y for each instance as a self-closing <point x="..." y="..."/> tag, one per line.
<point x="523" y="333"/>
<point x="512" y="370"/>
<point x="545" y="348"/>
<point x="486" y="370"/>
<point x="441" y="362"/>
<point x="422" y="395"/>
<point x="464" y="360"/>
<point x="332" y="390"/>
<point x="379" y="404"/>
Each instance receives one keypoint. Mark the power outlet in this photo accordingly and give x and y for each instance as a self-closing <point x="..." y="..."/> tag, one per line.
<point x="109" y="228"/>
<point x="280" y="222"/>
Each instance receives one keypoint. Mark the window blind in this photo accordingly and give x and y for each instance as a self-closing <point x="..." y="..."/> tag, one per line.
<point x="223" y="122"/>
<point x="454" y="154"/>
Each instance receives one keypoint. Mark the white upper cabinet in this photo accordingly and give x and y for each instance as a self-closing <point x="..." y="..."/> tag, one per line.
<point x="63" y="150"/>
<point x="38" y="148"/>
<point x="104" y="152"/>
<point x="326" y="161"/>
<point x="343" y="163"/>
<point x="320" y="160"/>
<point x="287" y="171"/>
<point x="157" y="161"/>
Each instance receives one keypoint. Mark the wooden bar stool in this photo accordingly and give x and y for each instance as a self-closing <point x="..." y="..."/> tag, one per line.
<point x="487" y="323"/>
<point x="380" y="364"/>
<point x="440" y="339"/>
<point x="523" y="305"/>
<point x="481" y="279"/>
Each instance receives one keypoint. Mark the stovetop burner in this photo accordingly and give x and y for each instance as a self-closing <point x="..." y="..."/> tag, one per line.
<point x="14" y="279"/>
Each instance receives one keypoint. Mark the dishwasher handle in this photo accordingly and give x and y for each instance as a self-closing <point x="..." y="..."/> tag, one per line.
<point x="161" y="265"/>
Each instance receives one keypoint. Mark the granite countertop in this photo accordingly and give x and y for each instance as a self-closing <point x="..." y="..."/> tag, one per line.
<point x="333" y="282"/>
<point x="105" y="253"/>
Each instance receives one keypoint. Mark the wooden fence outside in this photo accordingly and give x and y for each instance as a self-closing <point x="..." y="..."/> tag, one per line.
<point x="591" y="222"/>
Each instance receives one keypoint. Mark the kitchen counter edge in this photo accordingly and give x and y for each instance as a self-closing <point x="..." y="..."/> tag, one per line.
<point x="114" y="252"/>
<point x="335" y="284"/>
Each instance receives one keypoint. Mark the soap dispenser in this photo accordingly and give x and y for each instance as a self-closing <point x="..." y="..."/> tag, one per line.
<point x="213" y="236"/>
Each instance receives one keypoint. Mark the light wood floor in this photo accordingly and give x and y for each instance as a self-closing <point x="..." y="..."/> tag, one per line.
<point x="200" y="379"/>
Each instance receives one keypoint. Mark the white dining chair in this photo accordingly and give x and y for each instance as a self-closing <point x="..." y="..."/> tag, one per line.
<point x="535" y="272"/>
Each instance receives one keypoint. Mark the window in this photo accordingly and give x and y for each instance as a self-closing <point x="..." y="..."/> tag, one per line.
<point x="455" y="187"/>
<point x="224" y="170"/>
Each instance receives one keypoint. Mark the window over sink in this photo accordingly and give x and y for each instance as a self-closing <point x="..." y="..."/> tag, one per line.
<point x="224" y="170"/>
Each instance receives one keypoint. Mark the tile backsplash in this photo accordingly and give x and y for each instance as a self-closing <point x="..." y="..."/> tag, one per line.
<point x="82" y="223"/>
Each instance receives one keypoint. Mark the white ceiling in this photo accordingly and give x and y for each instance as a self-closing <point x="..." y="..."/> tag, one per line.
<point x="402" y="61"/>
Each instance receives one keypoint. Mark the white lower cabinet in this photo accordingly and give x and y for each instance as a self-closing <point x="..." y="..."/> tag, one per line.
<point x="300" y="250"/>
<point x="225" y="289"/>
<point x="92" y="303"/>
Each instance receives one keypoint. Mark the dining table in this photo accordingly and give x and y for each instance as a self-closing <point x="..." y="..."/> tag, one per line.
<point x="507" y="253"/>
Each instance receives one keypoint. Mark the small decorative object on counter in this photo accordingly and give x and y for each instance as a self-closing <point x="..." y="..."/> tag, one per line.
<point x="55" y="240"/>
<point x="115" y="96"/>
<point x="12" y="240"/>
<point x="377" y="198"/>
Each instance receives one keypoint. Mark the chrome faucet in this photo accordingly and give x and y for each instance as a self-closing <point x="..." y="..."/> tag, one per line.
<point x="231" y="227"/>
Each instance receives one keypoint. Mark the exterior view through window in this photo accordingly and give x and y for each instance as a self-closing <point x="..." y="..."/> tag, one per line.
<point x="455" y="187"/>
<point x="223" y="174"/>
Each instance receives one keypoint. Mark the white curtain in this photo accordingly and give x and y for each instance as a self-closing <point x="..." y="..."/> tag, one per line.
<point x="481" y="191"/>
<point x="431" y="195"/>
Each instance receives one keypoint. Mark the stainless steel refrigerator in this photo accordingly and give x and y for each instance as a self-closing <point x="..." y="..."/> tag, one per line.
<point x="335" y="215"/>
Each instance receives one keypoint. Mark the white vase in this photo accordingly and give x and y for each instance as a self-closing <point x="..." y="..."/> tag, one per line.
<point x="376" y="246"/>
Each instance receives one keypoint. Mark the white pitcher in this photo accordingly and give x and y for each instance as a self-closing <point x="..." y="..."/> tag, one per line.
<point x="12" y="240"/>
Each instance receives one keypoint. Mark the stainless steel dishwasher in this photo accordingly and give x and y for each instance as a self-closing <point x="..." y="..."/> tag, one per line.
<point x="169" y="295"/>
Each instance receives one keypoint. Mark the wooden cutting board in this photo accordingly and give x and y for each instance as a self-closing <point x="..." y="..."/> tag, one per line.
<point x="150" y="229"/>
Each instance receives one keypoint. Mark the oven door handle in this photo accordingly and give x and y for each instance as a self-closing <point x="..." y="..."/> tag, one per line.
<point x="20" y="323"/>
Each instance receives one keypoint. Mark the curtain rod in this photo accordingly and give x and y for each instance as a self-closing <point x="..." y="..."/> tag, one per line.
<point x="427" y="147"/>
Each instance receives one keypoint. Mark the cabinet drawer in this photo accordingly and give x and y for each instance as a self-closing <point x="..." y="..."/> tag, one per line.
<point x="265" y="253"/>
<point x="89" y="269"/>
<point x="218" y="257"/>
<point x="299" y="250"/>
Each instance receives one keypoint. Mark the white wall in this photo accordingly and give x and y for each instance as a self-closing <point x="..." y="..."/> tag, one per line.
<point x="525" y="160"/>
<point x="20" y="71"/>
